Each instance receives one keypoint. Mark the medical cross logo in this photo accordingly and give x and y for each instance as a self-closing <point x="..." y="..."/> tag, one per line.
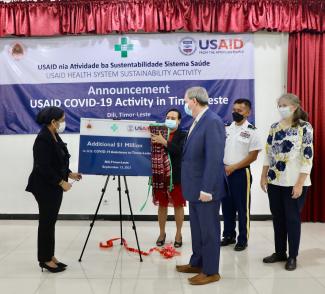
<point x="124" y="47"/>
<point x="114" y="128"/>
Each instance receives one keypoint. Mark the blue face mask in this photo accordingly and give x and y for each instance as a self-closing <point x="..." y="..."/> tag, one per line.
<point x="170" y="124"/>
<point x="188" y="111"/>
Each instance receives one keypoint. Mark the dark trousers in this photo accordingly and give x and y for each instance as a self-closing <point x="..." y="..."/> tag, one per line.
<point x="238" y="201"/>
<point x="49" y="206"/>
<point x="205" y="230"/>
<point x="286" y="218"/>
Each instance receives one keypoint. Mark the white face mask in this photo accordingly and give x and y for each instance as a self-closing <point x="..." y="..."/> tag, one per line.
<point x="171" y="124"/>
<point x="61" y="127"/>
<point x="188" y="111"/>
<point x="285" y="112"/>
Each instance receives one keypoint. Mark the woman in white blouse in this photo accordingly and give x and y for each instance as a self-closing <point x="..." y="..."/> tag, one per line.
<point x="286" y="176"/>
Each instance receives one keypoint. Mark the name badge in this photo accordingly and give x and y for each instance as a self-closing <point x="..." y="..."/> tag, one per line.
<point x="244" y="137"/>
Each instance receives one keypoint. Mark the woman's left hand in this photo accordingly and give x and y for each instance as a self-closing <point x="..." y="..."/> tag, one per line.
<point x="75" y="176"/>
<point x="296" y="191"/>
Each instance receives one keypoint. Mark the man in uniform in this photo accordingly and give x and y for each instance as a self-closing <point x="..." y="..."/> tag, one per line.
<point x="242" y="148"/>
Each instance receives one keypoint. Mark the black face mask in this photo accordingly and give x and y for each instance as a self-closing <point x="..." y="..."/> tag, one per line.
<point x="237" y="117"/>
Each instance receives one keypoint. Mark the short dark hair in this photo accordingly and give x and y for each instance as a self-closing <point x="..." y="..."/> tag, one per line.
<point x="244" y="101"/>
<point x="47" y="114"/>
<point x="175" y="110"/>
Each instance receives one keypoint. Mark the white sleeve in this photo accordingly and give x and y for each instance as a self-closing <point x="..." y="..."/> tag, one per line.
<point x="255" y="143"/>
<point x="266" y="160"/>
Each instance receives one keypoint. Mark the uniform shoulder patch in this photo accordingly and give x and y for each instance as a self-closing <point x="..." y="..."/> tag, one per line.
<point x="273" y="126"/>
<point x="250" y="126"/>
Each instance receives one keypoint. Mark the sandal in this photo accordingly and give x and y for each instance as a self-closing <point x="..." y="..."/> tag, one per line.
<point x="160" y="243"/>
<point x="178" y="244"/>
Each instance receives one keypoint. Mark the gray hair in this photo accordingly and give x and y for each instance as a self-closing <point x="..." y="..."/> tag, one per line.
<point x="291" y="98"/>
<point x="199" y="93"/>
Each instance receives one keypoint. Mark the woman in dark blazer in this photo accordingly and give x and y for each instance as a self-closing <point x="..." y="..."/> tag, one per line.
<point x="174" y="198"/>
<point x="48" y="180"/>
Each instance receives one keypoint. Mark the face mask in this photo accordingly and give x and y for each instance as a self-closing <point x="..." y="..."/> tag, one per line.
<point x="188" y="111"/>
<point x="285" y="112"/>
<point x="61" y="127"/>
<point x="237" y="117"/>
<point x="170" y="124"/>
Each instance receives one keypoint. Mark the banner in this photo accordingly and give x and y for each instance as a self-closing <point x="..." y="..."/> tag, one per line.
<point x="112" y="147"/>
<point x="133" y="77"/>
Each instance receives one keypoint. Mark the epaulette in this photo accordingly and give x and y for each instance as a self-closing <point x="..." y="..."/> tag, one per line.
<point x="250" y="126"/>
<point x="273" y="126"/>
<point x="227" y="124"/>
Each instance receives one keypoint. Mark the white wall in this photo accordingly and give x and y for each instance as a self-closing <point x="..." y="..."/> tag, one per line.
<point x="16" y="150"/>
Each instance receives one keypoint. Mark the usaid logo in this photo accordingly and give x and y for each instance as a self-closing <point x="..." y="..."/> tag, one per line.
<point x="135" y="128"/>
<point x="187" y="46"/>
<point x="221" y="44"/>
<point x="141" y="128"/>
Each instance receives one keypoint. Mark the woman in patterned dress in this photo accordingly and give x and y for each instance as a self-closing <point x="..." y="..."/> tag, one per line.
<point x="286" y="176"/>
<point x="164" y="199"/>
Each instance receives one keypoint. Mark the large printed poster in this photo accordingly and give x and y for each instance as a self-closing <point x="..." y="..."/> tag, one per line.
<point x="127" y="77"/>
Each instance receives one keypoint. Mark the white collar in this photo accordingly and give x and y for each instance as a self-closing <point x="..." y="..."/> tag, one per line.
<point x="201" y="114"/>
<point x="243" y="126"/>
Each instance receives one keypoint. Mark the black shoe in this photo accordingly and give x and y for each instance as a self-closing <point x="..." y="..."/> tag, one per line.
<point x="160" y="243"/>
<point x="178" y="244"/>
<point x="227" y="241"/>
<point x="51" y="269"/>
<point x="291" y="264"/>
<point x="240" y="247"/>
<point x="275" y="258"/>
<point x="61" y="264"/>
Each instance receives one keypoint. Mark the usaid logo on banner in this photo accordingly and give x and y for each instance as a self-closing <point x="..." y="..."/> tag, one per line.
<point x="187" y="46"/>
<point x="137" y="128"/>
<point x="218" y="45"/>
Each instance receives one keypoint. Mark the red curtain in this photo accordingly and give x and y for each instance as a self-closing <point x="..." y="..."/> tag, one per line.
<point x="306" y="78"/>
<point x="48" y="18"/>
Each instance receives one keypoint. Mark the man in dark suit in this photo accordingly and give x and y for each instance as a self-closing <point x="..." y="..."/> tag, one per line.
<point x="204" y="185"/>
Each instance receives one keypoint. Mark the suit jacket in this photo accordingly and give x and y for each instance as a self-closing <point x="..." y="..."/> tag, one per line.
<point x="175" y="150"/>
<point x="202" y="164"/>
<point x="51" y="163"/>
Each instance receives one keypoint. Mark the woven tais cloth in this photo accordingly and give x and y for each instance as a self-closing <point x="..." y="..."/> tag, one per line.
<point x="160" y="163"/>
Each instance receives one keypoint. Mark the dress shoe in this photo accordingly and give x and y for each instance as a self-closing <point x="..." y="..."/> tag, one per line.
<point x="227" y="241"/>
<point x="187" y="268"/>
<point x="58" y="269"/>
<point x="291" y="264"/>
<point x="61" y="264"/>
<point x="275" y="258"/>
<point x="240" y="247"/>
<point x="193" y="278"/>
<point x="161" y="242"/>
<point x="202" y="279"/>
